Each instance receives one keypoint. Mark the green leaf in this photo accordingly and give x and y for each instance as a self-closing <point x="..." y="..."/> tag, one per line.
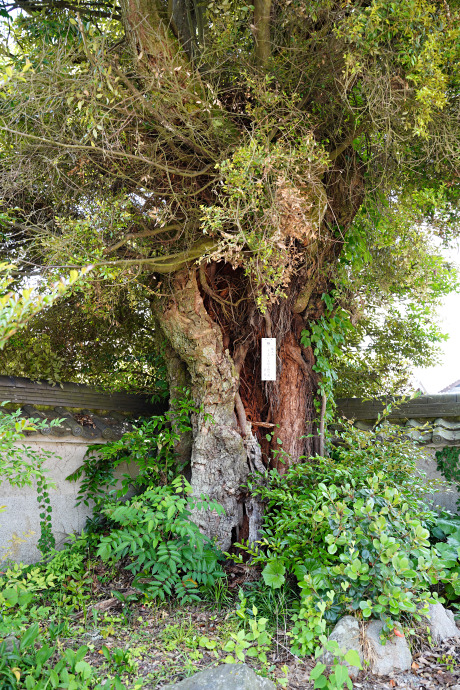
<point x="273" y="574"/>
<point x="29" y="637"/>
<point x="317" y="671"/>
<point x="352" y="658"/>
<point x="341" y="675"/>
<point x="320" y="682"/>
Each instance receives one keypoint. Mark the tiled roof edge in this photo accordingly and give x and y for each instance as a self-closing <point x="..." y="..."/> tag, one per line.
<point x="423" y="407"/>
<point x="72" y="395"/>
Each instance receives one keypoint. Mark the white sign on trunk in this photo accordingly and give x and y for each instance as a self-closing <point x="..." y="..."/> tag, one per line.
<point x="268" y="359"/>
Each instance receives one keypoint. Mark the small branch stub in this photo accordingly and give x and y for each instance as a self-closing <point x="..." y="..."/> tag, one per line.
<point x="268" y="369"/>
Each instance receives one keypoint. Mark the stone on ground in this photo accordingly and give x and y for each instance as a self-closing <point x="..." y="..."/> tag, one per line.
<point x="11" y="644"/>
<point x="441" y="623"/>
<point x="224" y="677"/>
<point x="384" y="659"/>
<point x="346" y="634"/>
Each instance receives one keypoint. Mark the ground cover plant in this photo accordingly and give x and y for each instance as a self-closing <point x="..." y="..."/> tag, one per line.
<point x="353" y="532"/>
<point x="143" y="565"/>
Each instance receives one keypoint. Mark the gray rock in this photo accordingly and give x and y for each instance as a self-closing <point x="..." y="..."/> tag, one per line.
<point x="224" y="677"/>
<point x="346" y="634"/>
<point x="384" y="659"/>
<point x="11" y="644"/>
<point x="441" y="623"/>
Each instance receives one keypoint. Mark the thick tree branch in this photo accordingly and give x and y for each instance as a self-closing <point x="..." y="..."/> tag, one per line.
<point x="165" y="264"/>
<point x="116" y="154"/>
<point x="345" y="144"/>
<point x="140" y="235"/>
<point x="262" y="10"/>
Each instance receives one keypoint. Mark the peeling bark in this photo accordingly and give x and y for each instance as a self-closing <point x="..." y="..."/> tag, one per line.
<point x="294" y="412"/>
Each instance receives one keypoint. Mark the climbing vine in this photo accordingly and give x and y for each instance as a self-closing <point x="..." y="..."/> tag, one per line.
<point x="150" y="446"/>
<point x="326" y="336"/>
<point x="21" y="465"/>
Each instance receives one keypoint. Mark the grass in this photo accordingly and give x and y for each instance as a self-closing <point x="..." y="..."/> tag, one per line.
<point x="144" y="643"/>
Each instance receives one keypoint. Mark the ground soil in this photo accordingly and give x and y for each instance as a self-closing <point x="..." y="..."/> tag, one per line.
<point x="164" y="646"/>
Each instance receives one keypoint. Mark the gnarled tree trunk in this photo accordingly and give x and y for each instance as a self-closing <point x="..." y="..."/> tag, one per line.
<point x="236" y="407"/>
<point x="218" y="458"/>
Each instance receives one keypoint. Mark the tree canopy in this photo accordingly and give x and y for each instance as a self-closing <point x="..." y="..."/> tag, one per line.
<point x="285" y="169"/>
<point x="218" y="144"/>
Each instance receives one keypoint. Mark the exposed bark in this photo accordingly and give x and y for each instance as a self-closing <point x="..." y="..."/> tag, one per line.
<point x="262" y="9"/>
<point x="187" y="21"/>
<point x="146" y="33"/>
<point x="219" y="457"/>
<point x="294" y="412"/>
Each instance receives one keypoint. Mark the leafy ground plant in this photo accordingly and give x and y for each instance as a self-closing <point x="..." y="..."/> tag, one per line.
<point x="30" y="663"/>
<point x="339" y="676"/>
<point x="445" y="533"/>
<point x="165" y="550"/>
<point x="352" y="530"/>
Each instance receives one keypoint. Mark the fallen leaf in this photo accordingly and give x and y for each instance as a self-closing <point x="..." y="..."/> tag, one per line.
<point x="415" y="666"/>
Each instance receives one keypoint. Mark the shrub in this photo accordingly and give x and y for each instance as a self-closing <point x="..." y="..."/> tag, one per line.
<point x="31" y="664"/>
<point x="447" y="529"/>
<point x="352" y="530"/>
<point x="150" y="446"/>
<point x="161" y="545"/>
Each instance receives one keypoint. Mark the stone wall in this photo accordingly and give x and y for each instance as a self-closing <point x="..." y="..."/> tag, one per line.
<point x="445" y="498"/>
<point x="21" y="513"/>
<point x="431" y="420"/>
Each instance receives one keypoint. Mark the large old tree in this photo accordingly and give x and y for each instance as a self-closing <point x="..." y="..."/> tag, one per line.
<point x="224" y="167"/>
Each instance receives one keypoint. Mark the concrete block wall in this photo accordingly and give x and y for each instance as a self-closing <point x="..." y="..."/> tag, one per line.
<point x="21" y="514"/>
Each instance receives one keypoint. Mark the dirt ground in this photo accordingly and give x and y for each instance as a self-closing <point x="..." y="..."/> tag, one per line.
<point x="163" y="647"/>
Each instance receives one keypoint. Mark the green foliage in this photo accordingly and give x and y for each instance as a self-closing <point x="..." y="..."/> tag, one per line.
<point x="115" y="349"/>
<point x="448" y="464"/>
<point x="252" y="641"/>
<point x="150" y="448"/>
<point x="326" y="337"/>
<point x="392" y="261"/>
<point x="447" y="529"/>
<point x="31" y="665"/>
<point x="260" y="181"/>
<point x="18" y="306"/>
<point x="339" y="676"/>
<point x="21" y="465"/>
<point x="352" y="530"/>
<point x="164" y="549"/>
<point x="424" y="47"/>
